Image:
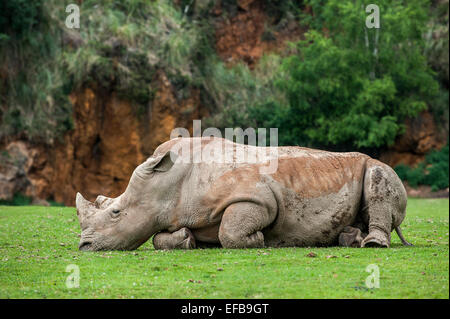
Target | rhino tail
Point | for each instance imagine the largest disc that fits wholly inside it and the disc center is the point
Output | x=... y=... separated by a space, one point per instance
x=400 y=235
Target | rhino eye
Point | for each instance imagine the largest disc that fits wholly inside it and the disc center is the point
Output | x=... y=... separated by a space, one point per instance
x=116 y=211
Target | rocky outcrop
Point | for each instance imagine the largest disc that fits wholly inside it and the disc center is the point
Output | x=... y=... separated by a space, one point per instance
x=420 y=137
x=111 y=137
x=15 y=163
x=250 y=31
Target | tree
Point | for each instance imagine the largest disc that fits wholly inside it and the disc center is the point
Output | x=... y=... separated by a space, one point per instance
x=350 y=86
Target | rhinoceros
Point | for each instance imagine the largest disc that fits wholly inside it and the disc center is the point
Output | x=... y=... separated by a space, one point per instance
x=312 y=198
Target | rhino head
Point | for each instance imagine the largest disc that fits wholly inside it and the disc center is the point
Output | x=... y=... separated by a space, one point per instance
x=129 y=220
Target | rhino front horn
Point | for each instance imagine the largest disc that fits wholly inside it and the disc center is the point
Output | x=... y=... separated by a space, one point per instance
x=80 y=202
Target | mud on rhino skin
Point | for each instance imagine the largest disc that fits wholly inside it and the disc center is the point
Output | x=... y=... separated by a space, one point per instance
x=313 y=198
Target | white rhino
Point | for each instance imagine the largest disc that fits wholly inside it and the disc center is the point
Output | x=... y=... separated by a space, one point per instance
x=313 y=198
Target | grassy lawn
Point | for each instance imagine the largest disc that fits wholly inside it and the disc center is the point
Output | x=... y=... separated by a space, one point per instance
x=38 y=243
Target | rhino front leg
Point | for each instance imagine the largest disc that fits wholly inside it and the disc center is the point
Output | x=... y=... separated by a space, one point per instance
x=181 y=239
x=351 y=237
x=241 y=225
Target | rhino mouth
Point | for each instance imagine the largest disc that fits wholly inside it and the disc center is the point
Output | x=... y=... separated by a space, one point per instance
x=86 y=245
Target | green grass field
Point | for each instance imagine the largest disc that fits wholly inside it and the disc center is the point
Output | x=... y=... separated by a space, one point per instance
x=38 y=243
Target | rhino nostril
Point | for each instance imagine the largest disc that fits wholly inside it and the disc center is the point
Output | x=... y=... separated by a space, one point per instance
x=85 y=245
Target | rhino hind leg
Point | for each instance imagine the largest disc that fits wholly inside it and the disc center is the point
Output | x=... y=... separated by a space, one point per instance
x=384 y=200
x=351 y=237
x=241 y=225
x=180 y=239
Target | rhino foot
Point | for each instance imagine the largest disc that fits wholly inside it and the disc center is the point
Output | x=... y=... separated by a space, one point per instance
x=376 y=238
x=351 y=237
x=181 y=239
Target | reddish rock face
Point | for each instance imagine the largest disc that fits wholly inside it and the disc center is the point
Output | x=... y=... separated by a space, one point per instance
x=420 y=137
x=14 y=165
x=109 y=140
x=101 y=152
x=246 y=36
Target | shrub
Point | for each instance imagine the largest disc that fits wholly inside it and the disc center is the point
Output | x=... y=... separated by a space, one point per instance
x=438 y=172
x=434 y=171
x=18 y=17
x=416 y=176
x=33 y=89
x=243 y=97
x=354 y=86
x=402 y=171
x=18 y=200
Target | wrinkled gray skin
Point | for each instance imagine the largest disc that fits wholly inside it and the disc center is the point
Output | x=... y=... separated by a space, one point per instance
x=315 y=198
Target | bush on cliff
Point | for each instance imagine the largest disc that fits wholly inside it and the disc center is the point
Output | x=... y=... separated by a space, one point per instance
x=33 y=89
x=434 y=171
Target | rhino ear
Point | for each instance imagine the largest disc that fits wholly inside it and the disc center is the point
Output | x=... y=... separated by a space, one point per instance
x=161 y=163
x=166 y=162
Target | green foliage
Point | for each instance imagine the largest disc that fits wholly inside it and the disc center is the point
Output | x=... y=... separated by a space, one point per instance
x=434 y=171
x=239 y=93
x=34 y=91
x=22 y=200
x=127 y=42
x=18 y=200
x=436 y=51
x=402 y=171
x=438 y=172
x=436 y=48
x=414 y=176
x=352 y=85
x=18 y=17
